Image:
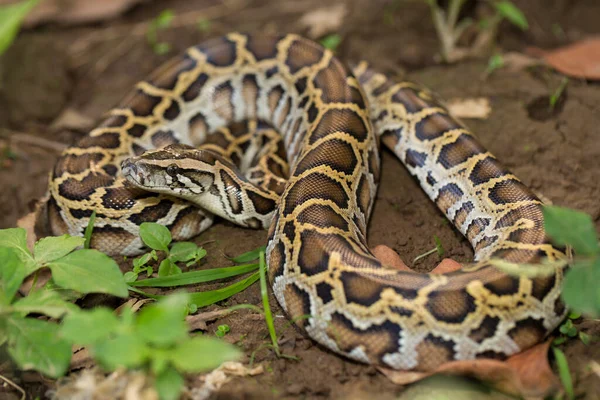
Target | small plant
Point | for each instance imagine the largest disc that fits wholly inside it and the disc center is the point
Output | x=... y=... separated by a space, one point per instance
x=156 y=340
x=158 y=238
x=568 y=330
x=450 y=29
x=33 y=343
x=437 y=249
x=556 y=95
x=204 y=25
x=162 y=21
x=222 y=330
x=331 y=42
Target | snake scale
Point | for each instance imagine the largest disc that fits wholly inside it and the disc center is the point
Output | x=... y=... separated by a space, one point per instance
x=275 y=132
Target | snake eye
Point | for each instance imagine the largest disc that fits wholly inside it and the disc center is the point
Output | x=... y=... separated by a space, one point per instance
x=172 y=169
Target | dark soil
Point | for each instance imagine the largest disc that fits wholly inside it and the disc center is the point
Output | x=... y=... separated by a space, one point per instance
x=89 y=69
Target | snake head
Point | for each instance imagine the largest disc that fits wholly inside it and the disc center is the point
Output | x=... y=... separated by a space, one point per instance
x=177 y=170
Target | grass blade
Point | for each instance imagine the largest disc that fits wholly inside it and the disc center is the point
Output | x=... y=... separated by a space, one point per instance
x=192 y=277
x=249 y=256
x=89 y=229
x=264 y=293
x=563 y=372
x=203 y=299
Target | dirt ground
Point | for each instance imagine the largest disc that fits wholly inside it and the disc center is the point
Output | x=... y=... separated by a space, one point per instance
x=88 y=69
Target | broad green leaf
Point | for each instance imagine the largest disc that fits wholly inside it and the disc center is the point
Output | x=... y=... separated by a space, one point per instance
x=12 y=274
x=45 y=302
x=89 y=271
x=167 y=268
x=130 y=276
x=183 y=251
x=203 y=299
x=160 y=359
x=169 y=384
x=512 y=13
x=192 y=277
x=16 y=238
x=213 y=352
x=35 y=344
x=580 y=288
x=54 y=247
x=89 y=327
x=153 y=320
x=570 y=227
x=249 y=256
x=125 y=350
x=155 y=236
x=11 y=17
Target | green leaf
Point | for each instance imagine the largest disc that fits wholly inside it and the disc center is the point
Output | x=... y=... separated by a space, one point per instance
x=54 y=247
x=89 y=271
x=155 y=236
x=35 y=344
x=203 y=25
x=89 y=229
x=130 y=276
x=45 y=302
x=11 y=17
x=193 y=277
x=12 y=274
x=203 y=299
x=331 y=42
x=214 y=352
x=89 y=327
x=16 y=238
x=153 y=320
x=584 y=337
x=183 y=251
x=496 y=61
x=161 y=48
x=580 y=288
x=160 y=359
x=125 y=350
x=563 y=372
x=163 y=20
x=143 y=260
x=169 y=384
x=512 y=13
x=570 y=227
x=249 y=256
x=167 y=267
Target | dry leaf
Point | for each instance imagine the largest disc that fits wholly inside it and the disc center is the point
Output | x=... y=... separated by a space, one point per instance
x=198 y=321
x=580 y=59
x=446 y=266
x=323 y=20
x=474 y=108
x=389 y=258
x=72 y=120
x=214 y=380
x=526 y=374
x=515 y=61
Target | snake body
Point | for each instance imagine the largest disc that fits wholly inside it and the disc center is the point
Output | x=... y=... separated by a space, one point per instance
x=228 y=96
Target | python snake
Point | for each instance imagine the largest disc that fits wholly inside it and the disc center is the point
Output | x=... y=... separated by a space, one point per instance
x=287 y=138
